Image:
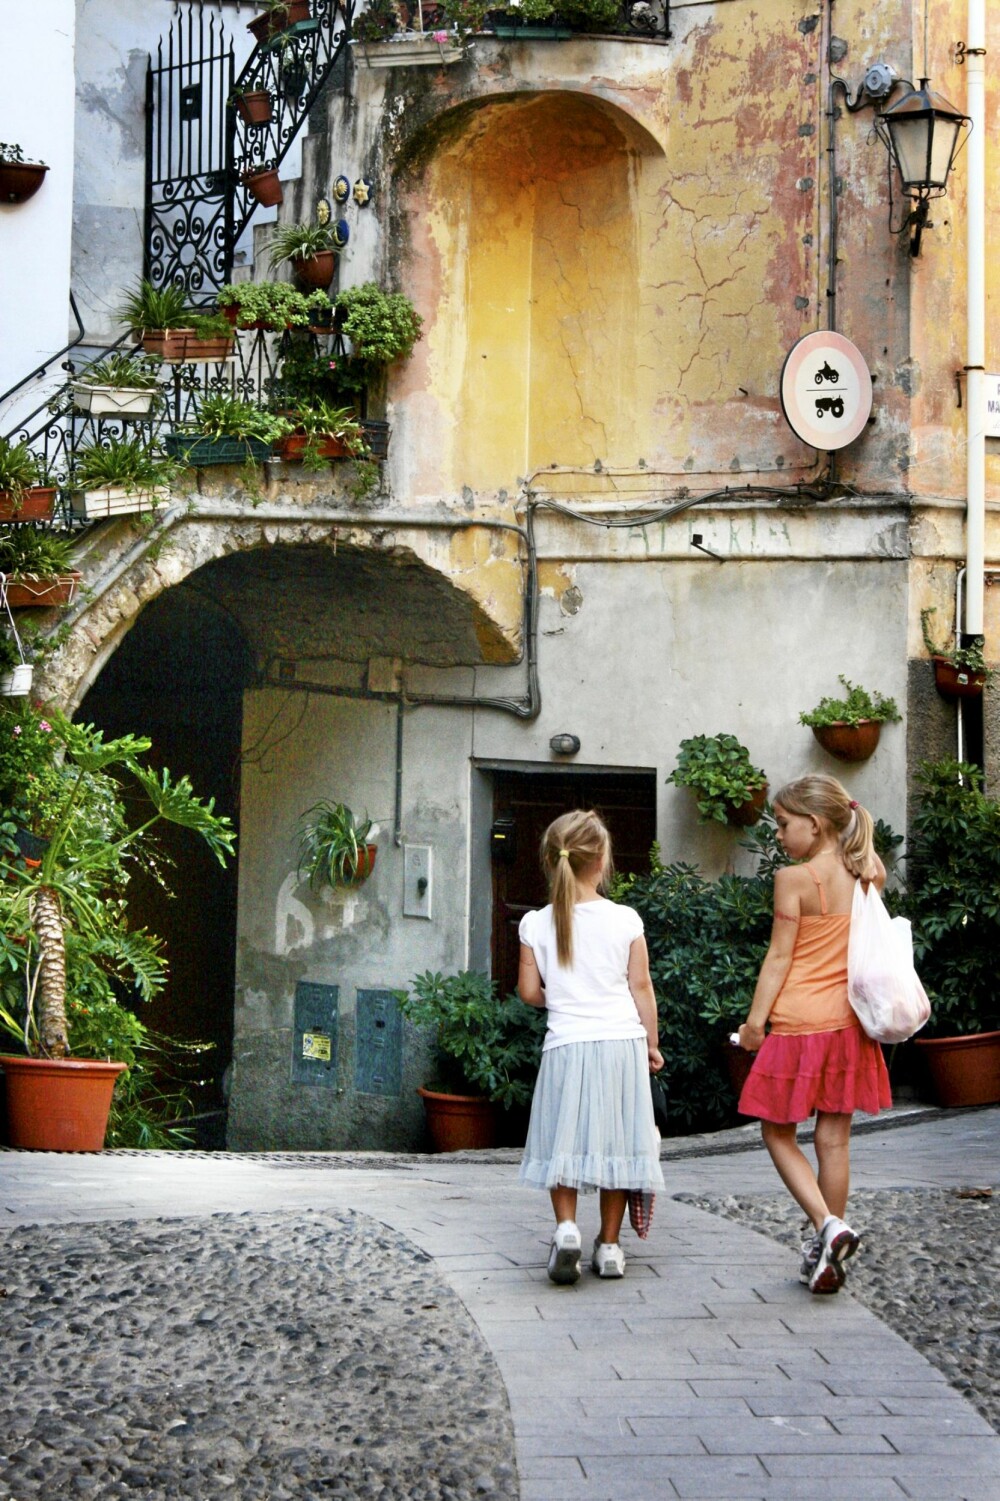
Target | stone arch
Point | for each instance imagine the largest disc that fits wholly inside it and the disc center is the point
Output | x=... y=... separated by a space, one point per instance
x=445 y=595
x=523 y=214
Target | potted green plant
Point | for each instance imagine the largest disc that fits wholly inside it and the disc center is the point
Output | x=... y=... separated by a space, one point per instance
x=22 y=496
x=64 y=916
x=952 y=880
x=19 y=180
x=310 y=250
x=226 y=431
x=382 y=328
x=254 y=106
x=321 y=432
x=262 y=183
x=273 y=305
x=334 y=848
x=118 y=386
x=959 y=671
x=849 y=727
x=158 y=316
x=718 y=769
x=487 y=1053
x=36 y=567
x=277 y=16
x=119 y=476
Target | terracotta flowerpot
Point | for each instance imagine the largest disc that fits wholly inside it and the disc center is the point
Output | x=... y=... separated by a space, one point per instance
x=41 y=593
x=849 y=742
x=265 y=186
x=59 y=1104
x=272 y=24
x=745 y=814
x=254 y=108
x=36 y=505
x=459 y=1122
x=364 y=867
x=316 y=270
x=181 y=346
x=963 y=1070
x=168 y=343
x=956 y=682
x=20 y=181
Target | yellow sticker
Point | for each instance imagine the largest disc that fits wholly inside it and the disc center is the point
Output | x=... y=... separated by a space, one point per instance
x=316 y=1045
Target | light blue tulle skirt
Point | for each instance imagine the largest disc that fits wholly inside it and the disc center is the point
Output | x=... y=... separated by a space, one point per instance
x=592 y=1119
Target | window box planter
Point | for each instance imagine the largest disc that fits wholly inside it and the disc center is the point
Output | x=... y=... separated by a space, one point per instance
x=292 y=448
x=255 y=108
x=273 y=23
x=199 y=451
x=20 y=181
x=114 y=500
x=531 y=33
x=376 y=437
x=113 y=401
x=23 y=592
x=35 y=504
x=181 y=346
x=410 y=49
x=265 y=186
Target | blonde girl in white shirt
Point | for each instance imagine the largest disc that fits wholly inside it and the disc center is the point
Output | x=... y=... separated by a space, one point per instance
x=584 y=959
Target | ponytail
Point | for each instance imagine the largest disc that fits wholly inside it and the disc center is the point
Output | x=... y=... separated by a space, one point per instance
x=823 y=797
x=573 y=843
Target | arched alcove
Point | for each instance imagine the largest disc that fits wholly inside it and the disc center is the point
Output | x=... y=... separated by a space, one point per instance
x=523 y=218
x=178 y=676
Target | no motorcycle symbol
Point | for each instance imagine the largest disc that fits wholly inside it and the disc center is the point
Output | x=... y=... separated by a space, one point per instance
x=826 y=391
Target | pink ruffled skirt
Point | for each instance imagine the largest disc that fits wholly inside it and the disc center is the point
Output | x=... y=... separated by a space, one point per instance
x=835 y=1072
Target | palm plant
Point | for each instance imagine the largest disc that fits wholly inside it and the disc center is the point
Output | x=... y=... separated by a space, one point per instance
x=69 y=908
x=146 y=306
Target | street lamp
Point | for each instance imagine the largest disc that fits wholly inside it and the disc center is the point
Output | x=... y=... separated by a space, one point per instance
x=922 y=133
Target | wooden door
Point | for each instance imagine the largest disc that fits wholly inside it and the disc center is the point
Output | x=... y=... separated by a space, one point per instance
x=531 y=800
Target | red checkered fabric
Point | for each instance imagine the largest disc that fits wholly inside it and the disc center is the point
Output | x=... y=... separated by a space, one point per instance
x=640 y=1210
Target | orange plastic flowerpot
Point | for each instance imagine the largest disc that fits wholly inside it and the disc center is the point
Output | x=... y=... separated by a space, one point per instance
x=59 y=1104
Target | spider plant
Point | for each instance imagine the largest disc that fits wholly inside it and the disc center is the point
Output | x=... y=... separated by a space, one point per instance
x=333 y=849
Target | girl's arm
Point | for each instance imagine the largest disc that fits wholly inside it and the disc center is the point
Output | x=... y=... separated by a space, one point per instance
x=777 y=960
x=529 y=980
x=641 y=986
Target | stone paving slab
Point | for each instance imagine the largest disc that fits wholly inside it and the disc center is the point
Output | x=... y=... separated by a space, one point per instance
x=708 y=1373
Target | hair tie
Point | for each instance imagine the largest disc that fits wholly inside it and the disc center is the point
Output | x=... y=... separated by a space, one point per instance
x=853 y=804
x=564 y=854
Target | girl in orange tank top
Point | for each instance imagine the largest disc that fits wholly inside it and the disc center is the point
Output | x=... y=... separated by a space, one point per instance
x=815 y=1059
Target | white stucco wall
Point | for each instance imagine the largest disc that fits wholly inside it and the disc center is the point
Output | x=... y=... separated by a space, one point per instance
x=36 y=112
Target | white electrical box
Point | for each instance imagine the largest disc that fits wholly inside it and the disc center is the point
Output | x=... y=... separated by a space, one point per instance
x=417 y=865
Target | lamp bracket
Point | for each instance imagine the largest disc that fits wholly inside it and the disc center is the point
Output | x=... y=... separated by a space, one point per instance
x=878 y=83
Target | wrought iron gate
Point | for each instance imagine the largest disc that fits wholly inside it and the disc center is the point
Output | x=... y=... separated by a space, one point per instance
x=198 y=148
x=189 y=228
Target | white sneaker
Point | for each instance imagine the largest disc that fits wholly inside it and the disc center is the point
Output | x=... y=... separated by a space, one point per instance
x=839 y=1242
x=564 y=1257
x=810 y=1255
x=608 y=1260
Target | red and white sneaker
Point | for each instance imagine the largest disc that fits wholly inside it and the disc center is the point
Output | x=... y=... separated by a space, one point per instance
x=839 y=1242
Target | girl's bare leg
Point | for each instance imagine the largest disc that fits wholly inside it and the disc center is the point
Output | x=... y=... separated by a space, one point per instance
x=613 y=1205
x=563 y=1203
x=795 y=1170
x=833 y=1154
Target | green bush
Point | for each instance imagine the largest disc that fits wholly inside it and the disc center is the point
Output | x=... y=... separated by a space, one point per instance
x=706 y=941
x=484 y=1045
x=952 y=897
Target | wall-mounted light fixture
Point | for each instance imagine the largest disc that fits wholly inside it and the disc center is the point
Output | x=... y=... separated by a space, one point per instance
x=923 y=134
x=564 y=745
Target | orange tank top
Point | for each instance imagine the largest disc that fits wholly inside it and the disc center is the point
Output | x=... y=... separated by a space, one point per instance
x=814 y=995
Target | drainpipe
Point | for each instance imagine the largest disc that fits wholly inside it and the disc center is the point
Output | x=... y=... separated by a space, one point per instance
x=975 y=421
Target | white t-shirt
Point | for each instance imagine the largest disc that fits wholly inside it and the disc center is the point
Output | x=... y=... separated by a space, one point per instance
x=590 y=1002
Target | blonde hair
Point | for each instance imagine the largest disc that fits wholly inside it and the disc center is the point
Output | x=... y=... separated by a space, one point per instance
x=572 y=843
x=822 y=797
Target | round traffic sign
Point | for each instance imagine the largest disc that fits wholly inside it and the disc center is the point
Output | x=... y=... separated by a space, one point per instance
x=826 y=390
